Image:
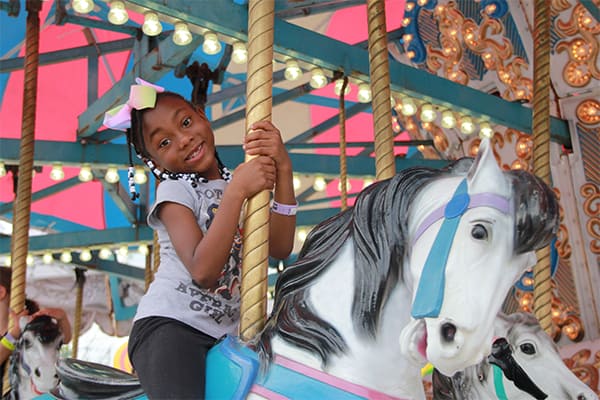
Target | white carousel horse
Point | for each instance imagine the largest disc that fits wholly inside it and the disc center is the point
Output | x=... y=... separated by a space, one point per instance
x=527 y=366
x=427 y=256
x=33 y=362
x=38 y=372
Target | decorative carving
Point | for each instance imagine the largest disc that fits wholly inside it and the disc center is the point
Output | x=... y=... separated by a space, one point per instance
x=588 y=112
x=591 y=208
x=585 y=367
x=581 y=50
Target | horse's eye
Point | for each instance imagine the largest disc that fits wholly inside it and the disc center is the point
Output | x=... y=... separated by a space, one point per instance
x=27 y=343
x=527 y=348
x=479 y=232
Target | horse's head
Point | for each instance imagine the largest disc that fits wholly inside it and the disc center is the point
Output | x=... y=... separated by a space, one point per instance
x=527 y=366
x=33 y=363
x=472 y=235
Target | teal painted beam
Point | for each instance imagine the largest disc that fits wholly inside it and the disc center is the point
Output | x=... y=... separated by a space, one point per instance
x=101 y=155
x=294 y=41
x=83 y=239
x=54 y=57
x=592 y=8
x=151 y=66
x=302 y=8
x=108 y=266
x=40 y=194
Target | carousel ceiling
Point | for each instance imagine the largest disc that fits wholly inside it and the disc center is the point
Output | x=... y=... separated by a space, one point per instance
x=458 y=69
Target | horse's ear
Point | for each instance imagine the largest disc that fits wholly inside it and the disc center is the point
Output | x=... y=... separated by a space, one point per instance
x=485 y=175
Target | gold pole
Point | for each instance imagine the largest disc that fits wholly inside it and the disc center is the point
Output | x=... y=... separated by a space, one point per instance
x=255 y=259
x=343 y=163
x=542 y=290
x=80 y=281
x=385 y=166
x=22 y=213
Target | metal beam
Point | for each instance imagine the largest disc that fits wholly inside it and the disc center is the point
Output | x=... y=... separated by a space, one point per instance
x=311 y=47
x=40 y=194
x=84 y=239
x=55 y=57
x=101 y=156
x=303 y=8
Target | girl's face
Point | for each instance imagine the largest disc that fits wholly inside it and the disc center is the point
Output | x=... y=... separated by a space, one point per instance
x=179 y=138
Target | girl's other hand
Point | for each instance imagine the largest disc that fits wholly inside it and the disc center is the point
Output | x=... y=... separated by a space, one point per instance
x=254 y=176
x=265 y=139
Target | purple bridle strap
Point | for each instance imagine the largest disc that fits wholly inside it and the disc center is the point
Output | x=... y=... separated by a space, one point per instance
x=477 y=200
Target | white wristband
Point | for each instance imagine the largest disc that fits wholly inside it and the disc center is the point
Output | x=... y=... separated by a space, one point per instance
x=284 y=209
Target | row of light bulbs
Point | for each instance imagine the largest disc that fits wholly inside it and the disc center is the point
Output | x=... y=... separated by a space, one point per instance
x=66 y=256
x=320 y=183
x=428 y=113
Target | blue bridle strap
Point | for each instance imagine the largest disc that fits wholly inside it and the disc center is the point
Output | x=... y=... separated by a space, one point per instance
x=498 y=383
x=430 y=292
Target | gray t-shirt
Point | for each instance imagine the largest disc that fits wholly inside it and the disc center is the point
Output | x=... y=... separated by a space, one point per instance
x=172 y=294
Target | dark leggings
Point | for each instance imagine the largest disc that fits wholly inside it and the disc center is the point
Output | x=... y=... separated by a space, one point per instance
x=169 y=358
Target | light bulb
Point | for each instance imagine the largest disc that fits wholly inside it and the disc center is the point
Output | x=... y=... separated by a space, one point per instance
x=66 y=257
x=348 y=185
x=428 y=113
x=466 y=125
x=29 y=260
x=485 y=130
x=47 y=258
x=151 y=25
x=211 y=43
x=364 y=93
x=338 y=87
x=239 y=55
x=296 y=182
x=292 y=70
x=105 y=253
x=57 y=173
x=302 y=234
x=182 y=35
x=112 y=175
x=318 y=78
x=85 y=173
x=85 y=255
x=118 y=14
x=367 y=182
x=7 y=261
x=448 y=119
x=82 y=6
x=408 y=107
x=123 y=251
x=2 y=170
x=139 y=176
x=143 y=249
x=320 y=184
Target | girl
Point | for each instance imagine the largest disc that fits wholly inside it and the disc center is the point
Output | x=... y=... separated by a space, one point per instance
x=194 y=298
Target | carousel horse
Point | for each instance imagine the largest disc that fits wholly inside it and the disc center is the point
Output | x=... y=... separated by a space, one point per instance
x=524 y=365
x=416 y=270
x=32 y=364
x=425 y=258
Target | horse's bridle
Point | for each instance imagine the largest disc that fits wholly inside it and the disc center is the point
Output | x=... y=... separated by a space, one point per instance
x=430 y=292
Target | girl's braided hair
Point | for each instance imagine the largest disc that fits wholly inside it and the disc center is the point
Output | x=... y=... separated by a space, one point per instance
x=135 y=140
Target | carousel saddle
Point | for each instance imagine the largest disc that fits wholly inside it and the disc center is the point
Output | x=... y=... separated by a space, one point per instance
x=87 y=380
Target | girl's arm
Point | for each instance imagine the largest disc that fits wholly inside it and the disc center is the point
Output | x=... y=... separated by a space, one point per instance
x=265 y=139
x=204 y=255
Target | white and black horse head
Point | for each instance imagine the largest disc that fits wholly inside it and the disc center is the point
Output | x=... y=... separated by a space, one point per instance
x=33 y=362
x=524 y=365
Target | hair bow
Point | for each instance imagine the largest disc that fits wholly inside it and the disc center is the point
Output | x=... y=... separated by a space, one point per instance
x=142 y=95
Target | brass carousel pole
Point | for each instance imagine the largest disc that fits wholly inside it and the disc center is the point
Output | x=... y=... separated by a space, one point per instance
x=22 y=205
x=22 y=209
x=542 y=290
x=80 y=281
x=385 y=166
x=343 y=162
x=259 y=86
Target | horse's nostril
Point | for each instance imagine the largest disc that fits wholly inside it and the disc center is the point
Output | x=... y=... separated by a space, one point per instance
x=448 y=332
x=581 y=397
x=37 y=372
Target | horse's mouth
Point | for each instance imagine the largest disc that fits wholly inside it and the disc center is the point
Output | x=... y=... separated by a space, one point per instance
x=413 y=341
